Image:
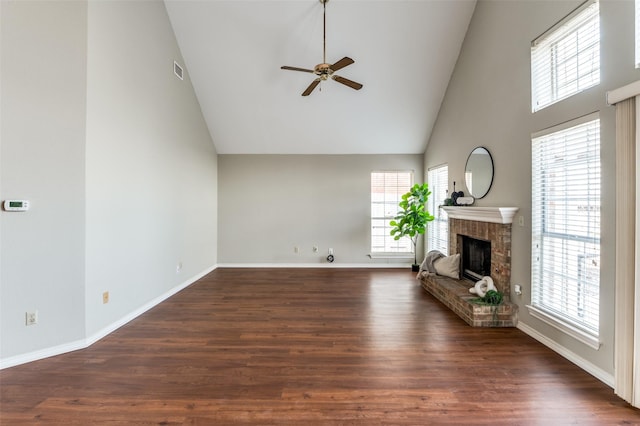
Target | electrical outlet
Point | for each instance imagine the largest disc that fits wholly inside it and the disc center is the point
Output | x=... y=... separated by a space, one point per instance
x=178 y=267
x=296 y=249
x=517 y=289
x=315 y=249
x=31 y=318
x=521 y=220
x=105 y=297
x=330 y=251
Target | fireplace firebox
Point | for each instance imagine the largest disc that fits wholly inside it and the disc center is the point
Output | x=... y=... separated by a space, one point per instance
x=476 y=258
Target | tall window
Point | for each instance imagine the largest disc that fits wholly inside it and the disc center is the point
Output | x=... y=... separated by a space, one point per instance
x=387 y=189
x=565 y=60
x=566 y=227
x=438 y=229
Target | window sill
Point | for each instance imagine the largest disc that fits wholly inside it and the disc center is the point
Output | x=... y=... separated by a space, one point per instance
x=391 y=256
x=581 y=336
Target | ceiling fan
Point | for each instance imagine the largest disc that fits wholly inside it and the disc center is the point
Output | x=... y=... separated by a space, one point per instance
x=325 y=70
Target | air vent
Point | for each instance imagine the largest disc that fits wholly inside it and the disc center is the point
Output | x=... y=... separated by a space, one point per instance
x=177 y=70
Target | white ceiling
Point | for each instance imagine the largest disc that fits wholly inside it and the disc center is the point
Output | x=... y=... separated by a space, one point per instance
x=404 y=53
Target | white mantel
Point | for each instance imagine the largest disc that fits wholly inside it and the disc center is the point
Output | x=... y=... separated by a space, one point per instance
x=482 y=214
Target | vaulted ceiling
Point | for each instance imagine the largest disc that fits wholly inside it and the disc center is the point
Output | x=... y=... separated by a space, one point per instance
x=404 y=53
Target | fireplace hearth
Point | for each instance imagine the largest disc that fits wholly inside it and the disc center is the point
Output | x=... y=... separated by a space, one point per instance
x=484 y=234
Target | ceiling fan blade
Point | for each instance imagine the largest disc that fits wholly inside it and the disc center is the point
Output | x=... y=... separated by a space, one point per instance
x=342 y=63
x=312 y=86
x=296 y=69
x=347 y=82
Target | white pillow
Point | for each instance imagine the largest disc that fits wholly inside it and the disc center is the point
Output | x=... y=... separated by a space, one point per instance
x=448 y=266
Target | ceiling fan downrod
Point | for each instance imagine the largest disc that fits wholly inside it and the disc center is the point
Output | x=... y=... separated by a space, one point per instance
x=324 y=71
x=324 y=30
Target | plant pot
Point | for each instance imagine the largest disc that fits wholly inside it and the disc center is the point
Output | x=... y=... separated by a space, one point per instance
x=415 y=267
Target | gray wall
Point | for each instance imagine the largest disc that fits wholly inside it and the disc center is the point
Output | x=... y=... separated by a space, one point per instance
x=43 y=79
x=488 y=103
x=151 y=165
x=117 y=161
x=268 y=204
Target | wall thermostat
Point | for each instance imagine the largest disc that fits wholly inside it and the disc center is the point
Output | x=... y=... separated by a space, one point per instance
x=16 y=205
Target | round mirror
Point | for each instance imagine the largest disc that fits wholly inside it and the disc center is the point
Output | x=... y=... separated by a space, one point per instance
x=478 y=173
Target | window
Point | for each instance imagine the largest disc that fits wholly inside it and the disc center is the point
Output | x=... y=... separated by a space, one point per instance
x=566 y=228
x=387 y=189
x=438 y=229
x=565 y=60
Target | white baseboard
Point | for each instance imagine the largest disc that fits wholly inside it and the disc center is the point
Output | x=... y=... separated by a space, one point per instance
x=90 y=340
x=315 y=265
x=587 y=366
x=42 y=354
x=144 y=308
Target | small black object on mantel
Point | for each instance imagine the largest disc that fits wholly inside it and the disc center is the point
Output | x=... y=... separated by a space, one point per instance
x=455 y=195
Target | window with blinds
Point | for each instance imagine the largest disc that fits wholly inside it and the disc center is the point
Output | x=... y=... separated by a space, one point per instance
x=387 y=189
x=565 y=60
x=566 y=225
x=438 y=229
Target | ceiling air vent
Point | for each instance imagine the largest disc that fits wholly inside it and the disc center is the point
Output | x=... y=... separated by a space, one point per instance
x=177 y=70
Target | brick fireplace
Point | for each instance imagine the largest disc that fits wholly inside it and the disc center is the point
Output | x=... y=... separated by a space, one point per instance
x=492 y=224
x=498 y=234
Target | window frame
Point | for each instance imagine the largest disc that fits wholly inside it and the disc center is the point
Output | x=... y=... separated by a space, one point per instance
x=403 y=249
x=551 y=58
x=544 y=300
x=438 y=185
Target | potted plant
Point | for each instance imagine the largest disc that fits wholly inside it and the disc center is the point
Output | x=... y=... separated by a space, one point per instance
x=412 y=220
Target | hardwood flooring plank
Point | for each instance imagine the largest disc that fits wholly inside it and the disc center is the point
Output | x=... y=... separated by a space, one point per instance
x=307 y=346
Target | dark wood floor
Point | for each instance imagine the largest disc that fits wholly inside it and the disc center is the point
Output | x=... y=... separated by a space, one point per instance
x=307 y=347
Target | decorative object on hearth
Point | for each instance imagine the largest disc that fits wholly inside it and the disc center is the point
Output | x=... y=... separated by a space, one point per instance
x=427 y=264
x=483 y=286
x=436 y=263
x=492 y=298
x=448 y=266
x=324 y=71
x=478 y=172
x=411 y=220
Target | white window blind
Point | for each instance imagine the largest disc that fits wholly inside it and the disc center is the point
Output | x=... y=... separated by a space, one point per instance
x=438 y=229
x=566 y=225
x=565 y=60
x=387 y=189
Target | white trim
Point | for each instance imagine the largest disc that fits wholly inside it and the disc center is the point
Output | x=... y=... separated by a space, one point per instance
x=315 y=265
x=577 y=334
x=624 y=92
x=42 y=353
x=144 y=308
x=575 y=12
x=482 y=214
x=381 y=255
x=587 y=366
x=90 y=340
x=567 y=124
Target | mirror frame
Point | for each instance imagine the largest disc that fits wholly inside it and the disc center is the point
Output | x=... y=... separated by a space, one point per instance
x=466 y=167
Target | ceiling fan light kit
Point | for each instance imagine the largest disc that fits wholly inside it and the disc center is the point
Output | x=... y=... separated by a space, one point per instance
x=324 y=71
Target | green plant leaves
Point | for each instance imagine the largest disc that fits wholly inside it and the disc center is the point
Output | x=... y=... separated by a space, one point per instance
x=413 y=217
